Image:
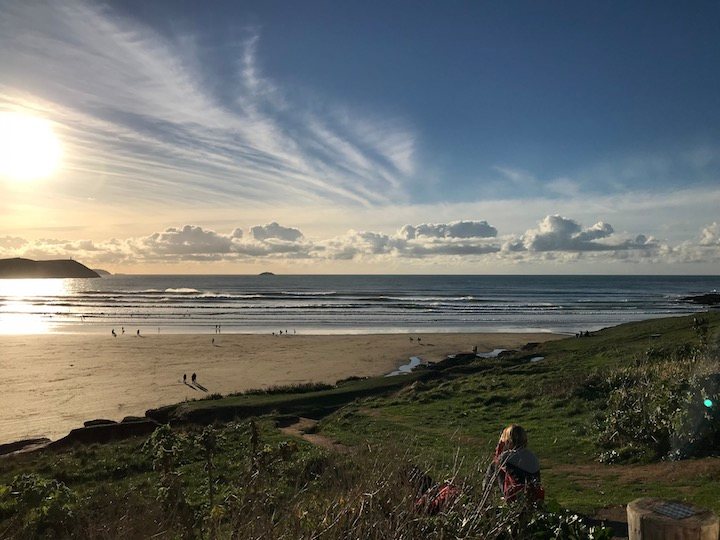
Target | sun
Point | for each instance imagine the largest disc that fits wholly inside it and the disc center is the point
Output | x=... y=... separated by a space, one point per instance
x=28 y=147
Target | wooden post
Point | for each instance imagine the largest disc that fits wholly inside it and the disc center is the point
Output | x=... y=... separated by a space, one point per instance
x=646 y=523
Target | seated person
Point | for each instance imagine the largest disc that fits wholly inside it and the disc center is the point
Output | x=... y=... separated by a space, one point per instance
x=515 y=468
x=430 y=497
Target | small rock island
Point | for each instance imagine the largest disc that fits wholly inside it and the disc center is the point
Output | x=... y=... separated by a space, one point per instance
x=18 y=268
x=266 y=274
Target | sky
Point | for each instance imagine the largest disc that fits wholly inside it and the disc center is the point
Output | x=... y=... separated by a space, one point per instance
x=362 y=137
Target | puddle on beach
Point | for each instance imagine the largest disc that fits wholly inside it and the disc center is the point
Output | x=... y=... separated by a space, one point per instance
x=406 y=368
x=537 y=359
x=492 y=354
x=415 y=362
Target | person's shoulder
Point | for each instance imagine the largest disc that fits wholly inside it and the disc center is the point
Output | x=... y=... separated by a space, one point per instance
x=524 y=459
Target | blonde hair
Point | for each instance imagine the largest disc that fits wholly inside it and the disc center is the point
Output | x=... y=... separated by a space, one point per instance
x=514 y=436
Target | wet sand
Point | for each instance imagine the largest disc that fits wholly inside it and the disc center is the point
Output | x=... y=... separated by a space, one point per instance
x=53 y=383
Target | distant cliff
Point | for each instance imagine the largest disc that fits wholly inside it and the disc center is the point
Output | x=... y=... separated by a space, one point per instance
x=26 y=268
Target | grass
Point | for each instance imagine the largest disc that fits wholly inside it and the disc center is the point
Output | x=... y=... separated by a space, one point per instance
x=554 y=400
x=278 y=489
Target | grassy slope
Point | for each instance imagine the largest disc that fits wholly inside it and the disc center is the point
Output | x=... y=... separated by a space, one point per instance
x=467 y=413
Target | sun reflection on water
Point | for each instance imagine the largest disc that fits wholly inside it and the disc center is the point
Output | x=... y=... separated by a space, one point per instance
x=21 y=311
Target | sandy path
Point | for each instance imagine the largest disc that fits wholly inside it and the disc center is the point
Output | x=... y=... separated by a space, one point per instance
x=52 y=383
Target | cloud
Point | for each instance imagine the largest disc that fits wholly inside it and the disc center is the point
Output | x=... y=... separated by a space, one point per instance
x=357 y=244
x=12 y=242
x=566 y=187
x=273 y=230
x=426 y=240
x=557 y=233
x=144 y=116
x=516 y=176
x=710 y=235
x=189 y=240
x=455 y=229
x=555 y=240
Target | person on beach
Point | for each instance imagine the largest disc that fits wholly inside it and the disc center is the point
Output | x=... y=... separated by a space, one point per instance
x=122 y=330
x=113 y=333
x=193 y=378
x=514 y=468
x=184 y=378
x=138 y=333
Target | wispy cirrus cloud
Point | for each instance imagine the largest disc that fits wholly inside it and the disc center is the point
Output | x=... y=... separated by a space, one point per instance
x=139 y=120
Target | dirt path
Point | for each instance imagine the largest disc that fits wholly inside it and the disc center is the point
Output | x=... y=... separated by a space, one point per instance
x=302 y=426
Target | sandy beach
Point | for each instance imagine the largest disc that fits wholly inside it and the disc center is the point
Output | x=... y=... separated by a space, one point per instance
x=53 y=383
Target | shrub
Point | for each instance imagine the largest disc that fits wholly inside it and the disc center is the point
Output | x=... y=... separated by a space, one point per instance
x=665 y=405
x=38 y=505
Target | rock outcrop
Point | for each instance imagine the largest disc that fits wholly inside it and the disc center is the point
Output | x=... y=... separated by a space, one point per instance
x=710 y=299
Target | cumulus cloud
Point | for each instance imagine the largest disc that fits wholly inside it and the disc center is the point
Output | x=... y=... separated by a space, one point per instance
x=556 y=239
x=455 y=229
x=710 y=235
x=275 y=231
x=557 y=233
x=358 y=243
x=457 y=238
x=188 y=240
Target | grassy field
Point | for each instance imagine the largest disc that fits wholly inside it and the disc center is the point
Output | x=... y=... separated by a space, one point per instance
x=465 y=413
x=446 y=420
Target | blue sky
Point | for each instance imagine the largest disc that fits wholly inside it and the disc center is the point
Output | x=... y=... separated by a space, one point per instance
x=348 y=120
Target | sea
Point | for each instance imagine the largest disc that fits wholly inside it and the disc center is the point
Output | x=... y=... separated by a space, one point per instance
x=340 y=304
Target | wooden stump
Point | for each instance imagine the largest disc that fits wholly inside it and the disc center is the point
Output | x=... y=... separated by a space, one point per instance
x=646 y=523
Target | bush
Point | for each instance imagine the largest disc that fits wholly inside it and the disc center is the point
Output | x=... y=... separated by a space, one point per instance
x=38 y=505
x=667 y=406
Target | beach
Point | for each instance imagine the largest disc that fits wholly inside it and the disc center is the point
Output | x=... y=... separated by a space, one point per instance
x=53 y=383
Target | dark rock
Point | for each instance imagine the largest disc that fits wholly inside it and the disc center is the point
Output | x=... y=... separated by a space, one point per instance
x=105 y=433
x=9 y=448
x=530 y=346
x=98 y=422
x=453 y=360
x=134 y=419
x=710 y=299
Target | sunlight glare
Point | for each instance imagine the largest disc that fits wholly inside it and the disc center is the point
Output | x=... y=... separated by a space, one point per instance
x=28 y=147
x=18 y=312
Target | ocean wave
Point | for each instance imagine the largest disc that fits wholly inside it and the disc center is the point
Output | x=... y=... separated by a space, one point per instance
x=308 y=293
x=182 y=290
